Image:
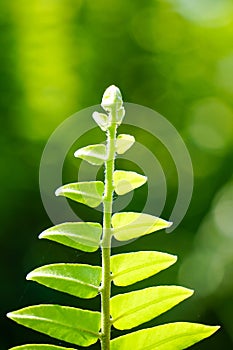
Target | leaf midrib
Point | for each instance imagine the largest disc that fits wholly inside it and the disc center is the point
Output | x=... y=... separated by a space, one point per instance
x=93 y=155
x=141 y=266
x=128 y=228
x=72 y=235
x=84 y=194
x=164 y=341
x=167 y=340
x=49 y=275
x=138 y=308
x=57 y=323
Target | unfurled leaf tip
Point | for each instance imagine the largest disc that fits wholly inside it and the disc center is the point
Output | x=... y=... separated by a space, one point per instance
x=9 y=315
x=169 y=224
x=58 y=191
x=29 y=276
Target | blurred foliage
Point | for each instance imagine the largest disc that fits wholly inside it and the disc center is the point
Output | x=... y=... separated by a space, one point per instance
x=174 y=56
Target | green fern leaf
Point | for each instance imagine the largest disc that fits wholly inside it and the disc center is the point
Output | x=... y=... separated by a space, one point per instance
x=76 y=326
x=80 y=280
x=129 y=268
x=79 y=235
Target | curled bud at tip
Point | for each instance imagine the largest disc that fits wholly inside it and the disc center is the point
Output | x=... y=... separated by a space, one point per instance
x=112 y=98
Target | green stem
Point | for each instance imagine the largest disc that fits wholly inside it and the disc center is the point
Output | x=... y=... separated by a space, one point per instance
x=106 y=239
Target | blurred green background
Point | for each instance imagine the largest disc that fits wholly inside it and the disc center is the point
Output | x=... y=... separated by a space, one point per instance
x=174 y=56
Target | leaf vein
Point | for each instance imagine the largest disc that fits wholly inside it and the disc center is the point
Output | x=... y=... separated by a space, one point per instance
x=43 y=319
x=65 y=278
x=143 y=306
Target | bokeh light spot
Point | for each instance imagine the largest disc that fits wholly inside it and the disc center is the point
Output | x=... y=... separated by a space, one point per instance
x=211 y=124
x=210 y=13
x=149 y=30
x=202 y=273
x=223 y=211
x=225 y=73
